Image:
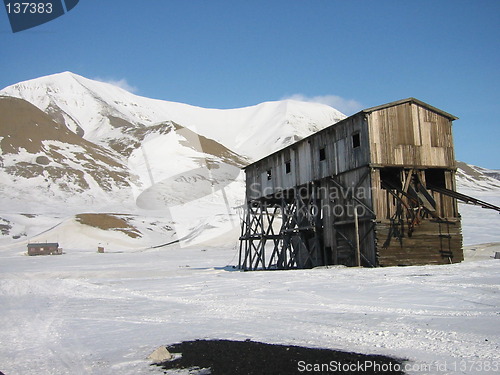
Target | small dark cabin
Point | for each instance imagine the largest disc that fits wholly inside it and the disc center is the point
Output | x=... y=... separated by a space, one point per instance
x=375 y=189
x=44 y=249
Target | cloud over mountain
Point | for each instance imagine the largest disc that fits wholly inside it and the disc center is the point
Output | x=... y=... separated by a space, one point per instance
x=121 y=83
x=348 y=106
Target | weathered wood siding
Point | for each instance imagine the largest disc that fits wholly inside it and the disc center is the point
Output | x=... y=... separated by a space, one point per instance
x=384 y=203
x=335 y=145
x=410 y=135
x=341 y=195
x=431 y=243
x=44 y=249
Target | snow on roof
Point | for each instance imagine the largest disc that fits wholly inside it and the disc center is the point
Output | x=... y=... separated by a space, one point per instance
x=44 y=244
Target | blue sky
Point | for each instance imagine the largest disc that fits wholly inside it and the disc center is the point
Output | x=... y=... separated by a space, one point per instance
x=225 y=54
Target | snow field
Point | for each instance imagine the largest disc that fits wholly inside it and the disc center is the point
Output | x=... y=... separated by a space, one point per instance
x=89 y=313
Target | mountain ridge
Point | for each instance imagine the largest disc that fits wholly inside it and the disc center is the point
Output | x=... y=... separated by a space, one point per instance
x=93 y=109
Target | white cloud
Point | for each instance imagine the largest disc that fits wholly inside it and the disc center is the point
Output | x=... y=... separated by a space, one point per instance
x=121 y=83
x=346 y=106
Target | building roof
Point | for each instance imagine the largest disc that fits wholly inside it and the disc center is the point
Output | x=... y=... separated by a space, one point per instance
x=44 y=244
x=411 y=100
x=365 y=111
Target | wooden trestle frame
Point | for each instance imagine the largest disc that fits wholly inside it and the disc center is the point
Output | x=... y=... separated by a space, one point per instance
x=289 y=228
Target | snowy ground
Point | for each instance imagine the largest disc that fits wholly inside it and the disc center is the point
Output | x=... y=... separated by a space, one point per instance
x=90 y=313
x=480 y=225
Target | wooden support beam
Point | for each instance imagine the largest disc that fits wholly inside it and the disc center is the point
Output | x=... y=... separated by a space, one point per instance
x=356 y=231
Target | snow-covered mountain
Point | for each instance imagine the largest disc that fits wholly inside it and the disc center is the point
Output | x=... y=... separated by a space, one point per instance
x=71 y=145
x=472 y=177
x=479 y=225
x=105 y=114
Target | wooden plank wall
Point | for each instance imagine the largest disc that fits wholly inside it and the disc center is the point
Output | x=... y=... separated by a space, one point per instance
x=338 y=214
x=412 y=136
x=406 y=135
x=384 y=203
x=430 y=243
x=304 y=159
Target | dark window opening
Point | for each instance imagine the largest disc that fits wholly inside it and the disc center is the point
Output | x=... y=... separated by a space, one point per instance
x=288 y=167
x=390 y=178
x=356 y=140
x=322 y=154
x=269 y=174
x=435 y=178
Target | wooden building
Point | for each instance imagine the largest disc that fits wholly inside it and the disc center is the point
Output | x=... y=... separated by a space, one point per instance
x=44 y=249
x=375 y=189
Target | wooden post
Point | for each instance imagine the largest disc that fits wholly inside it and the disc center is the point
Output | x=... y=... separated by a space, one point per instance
x=356 y=227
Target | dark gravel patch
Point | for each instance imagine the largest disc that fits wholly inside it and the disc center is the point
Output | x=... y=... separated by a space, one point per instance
x=248 y=357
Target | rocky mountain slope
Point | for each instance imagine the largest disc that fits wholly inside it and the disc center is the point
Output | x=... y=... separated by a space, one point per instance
x=40 y=156
x=472 y=177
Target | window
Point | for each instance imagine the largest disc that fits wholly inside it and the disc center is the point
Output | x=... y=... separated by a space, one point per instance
x=322 y=154
x=435 y=178
x=288 y=167
x=356 y=140
x=269 y=174
x=391 y=178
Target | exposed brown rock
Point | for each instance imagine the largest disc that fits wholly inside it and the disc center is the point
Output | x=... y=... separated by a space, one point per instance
x=116 y=222
x=24 y=126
